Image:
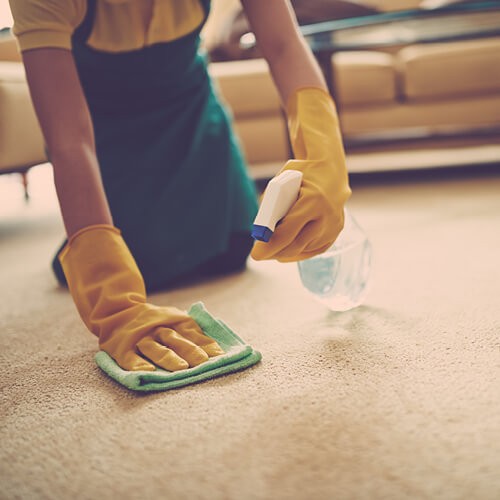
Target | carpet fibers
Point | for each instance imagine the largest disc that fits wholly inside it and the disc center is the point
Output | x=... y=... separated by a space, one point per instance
x=399 y=398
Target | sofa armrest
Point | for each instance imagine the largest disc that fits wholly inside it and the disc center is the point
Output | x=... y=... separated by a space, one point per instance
x=9 y=51
x=21 y=140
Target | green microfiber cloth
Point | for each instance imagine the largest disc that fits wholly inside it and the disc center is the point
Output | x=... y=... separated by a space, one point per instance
x=238 y=356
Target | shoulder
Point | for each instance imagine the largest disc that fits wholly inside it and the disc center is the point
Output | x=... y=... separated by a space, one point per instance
x=46 y=23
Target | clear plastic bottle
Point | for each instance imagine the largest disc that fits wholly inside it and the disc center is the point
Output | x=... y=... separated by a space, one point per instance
x=339 y=277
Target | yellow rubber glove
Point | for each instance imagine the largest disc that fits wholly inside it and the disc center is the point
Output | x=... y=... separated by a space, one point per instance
x=109 y=293
x=316 y=219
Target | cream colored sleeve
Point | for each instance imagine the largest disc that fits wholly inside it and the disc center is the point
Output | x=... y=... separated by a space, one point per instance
x=46 y=23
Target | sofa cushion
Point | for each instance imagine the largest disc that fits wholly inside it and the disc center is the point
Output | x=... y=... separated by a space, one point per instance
x=264 y=139
x=460 y=113
x=450 y=70
x=364 y=77
x=247 y=86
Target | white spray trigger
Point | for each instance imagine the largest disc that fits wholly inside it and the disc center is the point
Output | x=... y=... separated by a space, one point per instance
x=281 y=193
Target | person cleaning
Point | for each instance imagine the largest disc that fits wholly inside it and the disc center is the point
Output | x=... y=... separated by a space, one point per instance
x=151 y=182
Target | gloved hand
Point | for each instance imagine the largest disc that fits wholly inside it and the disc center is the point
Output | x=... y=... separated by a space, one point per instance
x=109 y=293
x=317 y=217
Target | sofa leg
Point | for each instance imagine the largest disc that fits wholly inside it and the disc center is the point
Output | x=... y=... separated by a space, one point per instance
x=24 y=180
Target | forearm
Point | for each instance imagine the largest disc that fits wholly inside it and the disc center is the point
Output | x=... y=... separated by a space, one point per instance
x=290 y=59
x=79 y=188
x=67 y=128
x=293 y=66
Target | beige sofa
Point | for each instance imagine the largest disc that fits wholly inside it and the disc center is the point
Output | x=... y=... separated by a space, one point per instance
x=434 y=88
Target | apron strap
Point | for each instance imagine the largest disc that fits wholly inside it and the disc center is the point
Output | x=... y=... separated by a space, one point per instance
x=83 y=31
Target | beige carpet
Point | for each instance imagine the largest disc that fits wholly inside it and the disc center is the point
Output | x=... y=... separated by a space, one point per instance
x=397 y=399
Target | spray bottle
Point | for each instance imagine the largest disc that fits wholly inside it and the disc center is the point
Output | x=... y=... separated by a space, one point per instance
x=339 y=277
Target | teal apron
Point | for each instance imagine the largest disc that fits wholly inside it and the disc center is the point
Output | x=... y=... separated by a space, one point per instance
x=172 y=169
